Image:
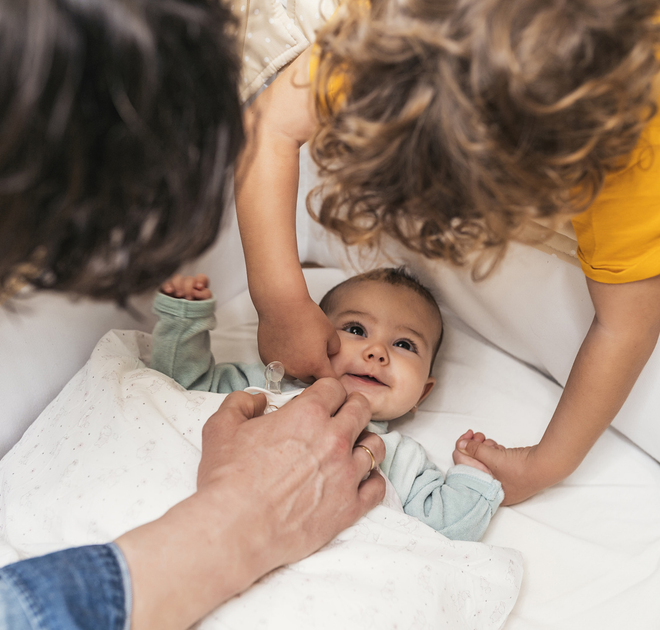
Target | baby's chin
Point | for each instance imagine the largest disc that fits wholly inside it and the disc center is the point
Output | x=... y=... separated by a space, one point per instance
x=377 y=412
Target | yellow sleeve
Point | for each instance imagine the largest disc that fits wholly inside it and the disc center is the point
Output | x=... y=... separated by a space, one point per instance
x=619 y=234
x=334 y=91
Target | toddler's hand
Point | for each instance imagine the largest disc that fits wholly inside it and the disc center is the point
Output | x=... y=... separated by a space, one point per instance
x=466 y=460
x=300 y=336
x=187 y=287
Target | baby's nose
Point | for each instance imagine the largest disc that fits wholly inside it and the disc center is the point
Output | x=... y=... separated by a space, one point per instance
x=378 y=353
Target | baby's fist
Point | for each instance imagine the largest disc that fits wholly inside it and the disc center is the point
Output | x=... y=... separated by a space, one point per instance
x=187 y=287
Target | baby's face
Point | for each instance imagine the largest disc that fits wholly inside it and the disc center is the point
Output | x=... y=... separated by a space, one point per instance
x=388 y=334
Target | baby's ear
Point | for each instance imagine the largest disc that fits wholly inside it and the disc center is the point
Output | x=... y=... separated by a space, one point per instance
x=428 y=386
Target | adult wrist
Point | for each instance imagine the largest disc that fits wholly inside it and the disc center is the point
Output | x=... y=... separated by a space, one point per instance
x=196 y=556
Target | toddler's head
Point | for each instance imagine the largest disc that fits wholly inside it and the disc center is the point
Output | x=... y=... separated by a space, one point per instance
x=390 y=328
x=461 y=120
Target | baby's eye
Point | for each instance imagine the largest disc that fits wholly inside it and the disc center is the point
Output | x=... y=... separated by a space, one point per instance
x=355 y=329
x=406 y=345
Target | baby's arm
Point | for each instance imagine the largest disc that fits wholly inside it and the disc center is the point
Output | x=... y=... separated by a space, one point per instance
x=459 y=505
x=292 y=328
x=181 y=345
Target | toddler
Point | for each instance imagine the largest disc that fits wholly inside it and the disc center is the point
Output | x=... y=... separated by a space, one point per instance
x=390 y=329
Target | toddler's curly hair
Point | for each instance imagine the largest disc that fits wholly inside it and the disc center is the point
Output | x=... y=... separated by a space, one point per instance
x=458 y=120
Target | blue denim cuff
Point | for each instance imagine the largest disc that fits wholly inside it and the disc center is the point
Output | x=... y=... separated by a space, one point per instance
x=84 y=588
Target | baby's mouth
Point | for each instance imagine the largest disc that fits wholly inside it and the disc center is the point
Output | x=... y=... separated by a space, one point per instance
x=365 y=378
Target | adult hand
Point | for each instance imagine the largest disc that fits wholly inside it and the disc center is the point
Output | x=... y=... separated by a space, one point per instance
x=521 y=471
x=298 y=334
x=295 y=469
x=271 y=490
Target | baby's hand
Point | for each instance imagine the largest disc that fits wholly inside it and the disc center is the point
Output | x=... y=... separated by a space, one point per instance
x=187 y=287
x=466 y=460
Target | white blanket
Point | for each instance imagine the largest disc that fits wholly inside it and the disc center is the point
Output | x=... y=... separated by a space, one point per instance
x=121 y=444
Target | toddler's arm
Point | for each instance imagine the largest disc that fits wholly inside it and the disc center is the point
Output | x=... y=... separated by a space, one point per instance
x=622 y=337
x=181 y=345
x=459 y=505
x=292 y=328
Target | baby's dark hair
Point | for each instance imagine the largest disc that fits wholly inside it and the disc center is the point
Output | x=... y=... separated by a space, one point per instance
x=119 y=120
x=396 y=276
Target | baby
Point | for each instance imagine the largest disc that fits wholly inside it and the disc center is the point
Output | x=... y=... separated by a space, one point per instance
x=390 y=328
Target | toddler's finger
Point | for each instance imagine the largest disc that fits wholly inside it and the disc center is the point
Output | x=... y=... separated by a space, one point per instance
x=466 y=436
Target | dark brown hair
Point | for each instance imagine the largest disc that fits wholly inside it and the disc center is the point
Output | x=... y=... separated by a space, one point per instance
x=118 y=121
x=396 y=276
x=459 y=120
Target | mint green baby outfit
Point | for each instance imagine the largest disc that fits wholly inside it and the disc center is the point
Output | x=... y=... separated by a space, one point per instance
x=459 y=504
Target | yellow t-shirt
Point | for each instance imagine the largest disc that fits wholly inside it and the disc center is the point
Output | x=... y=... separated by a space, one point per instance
x=619 y=234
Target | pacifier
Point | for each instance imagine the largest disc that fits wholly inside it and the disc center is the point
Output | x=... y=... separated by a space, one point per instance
x=274 y=374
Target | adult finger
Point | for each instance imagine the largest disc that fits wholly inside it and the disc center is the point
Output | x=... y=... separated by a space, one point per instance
x=371 y=491
x=218 y=430
x=236 y=408
x=367 y=458
x=328 y=393
x=354 y=415
x=374 y=443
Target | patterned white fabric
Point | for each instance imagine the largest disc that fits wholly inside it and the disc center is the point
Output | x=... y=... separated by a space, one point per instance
x=121 y=444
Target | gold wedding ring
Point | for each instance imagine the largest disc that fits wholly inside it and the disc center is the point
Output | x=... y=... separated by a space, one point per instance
x=373 y=459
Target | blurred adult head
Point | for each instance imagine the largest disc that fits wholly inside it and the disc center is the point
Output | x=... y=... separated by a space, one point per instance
x=118 y=121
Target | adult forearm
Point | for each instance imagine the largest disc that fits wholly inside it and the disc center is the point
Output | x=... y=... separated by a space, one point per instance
x=198 y=555
x=271 y=490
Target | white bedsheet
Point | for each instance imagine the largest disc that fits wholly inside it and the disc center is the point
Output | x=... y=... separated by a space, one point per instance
x=590 y=546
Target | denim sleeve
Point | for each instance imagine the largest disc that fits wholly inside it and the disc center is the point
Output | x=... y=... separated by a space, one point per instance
x=84 y=588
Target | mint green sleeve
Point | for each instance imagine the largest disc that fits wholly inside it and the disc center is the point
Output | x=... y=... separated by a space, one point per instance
x=181 y=348
x=459 y=505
